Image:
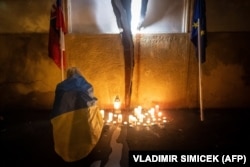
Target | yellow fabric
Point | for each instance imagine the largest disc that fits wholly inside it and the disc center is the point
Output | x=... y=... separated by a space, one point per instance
x=76 y=133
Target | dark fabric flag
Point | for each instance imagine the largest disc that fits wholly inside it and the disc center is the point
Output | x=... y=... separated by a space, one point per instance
x=199 y=12
x=56 y=34
x=122 y=11
x=144 y=6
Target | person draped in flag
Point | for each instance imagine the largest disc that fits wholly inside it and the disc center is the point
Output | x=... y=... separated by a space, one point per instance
x=76 y=119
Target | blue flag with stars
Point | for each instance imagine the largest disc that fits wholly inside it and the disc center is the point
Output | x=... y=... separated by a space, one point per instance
x=199 y=12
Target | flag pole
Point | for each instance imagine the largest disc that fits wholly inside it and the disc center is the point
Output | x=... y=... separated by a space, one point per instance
x=62 y=43
x=200 y=71
x=61 y=52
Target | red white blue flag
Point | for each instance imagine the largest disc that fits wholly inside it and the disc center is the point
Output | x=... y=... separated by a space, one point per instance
x=57 y=31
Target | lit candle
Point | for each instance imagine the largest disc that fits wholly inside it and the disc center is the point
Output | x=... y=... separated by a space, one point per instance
x=152 y=112
x=135 y=112
x=130 y=119
x=148 y=121
x=110 y=117
x=159 y=114
x=134 y=120
x=119 y=118
x=141 y=116
x=139 y=108
x=102 y=113
x=117 y=103
x=157 y=108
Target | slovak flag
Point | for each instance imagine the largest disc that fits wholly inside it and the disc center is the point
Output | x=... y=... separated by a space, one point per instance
x=56 y=46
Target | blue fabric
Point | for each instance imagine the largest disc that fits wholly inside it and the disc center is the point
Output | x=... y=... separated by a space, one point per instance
x=199 y=13
x=72 y=94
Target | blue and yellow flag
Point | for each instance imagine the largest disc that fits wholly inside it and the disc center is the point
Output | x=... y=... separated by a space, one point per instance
x=76 y=120
x=199 y=13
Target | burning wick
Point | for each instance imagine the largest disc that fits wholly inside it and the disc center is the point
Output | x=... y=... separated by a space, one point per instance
x=102 y=113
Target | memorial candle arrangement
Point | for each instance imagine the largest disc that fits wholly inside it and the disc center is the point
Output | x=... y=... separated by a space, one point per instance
x=137 y=117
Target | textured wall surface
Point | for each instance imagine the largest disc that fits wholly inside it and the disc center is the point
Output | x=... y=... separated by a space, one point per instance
x=161 y=70
x=100 y=58
x=165 y=72
x=227 y=72
x=27 y=75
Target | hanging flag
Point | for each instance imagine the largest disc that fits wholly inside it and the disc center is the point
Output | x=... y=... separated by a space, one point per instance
x=57 y=30
x=122 y=11
x=199 y=13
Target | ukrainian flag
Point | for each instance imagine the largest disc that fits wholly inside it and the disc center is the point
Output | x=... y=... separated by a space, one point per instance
x=76 y=120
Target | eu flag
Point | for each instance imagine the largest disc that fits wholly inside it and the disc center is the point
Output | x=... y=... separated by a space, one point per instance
x=199 y=13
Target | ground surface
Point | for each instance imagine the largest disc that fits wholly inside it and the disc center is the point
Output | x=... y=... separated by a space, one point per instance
x=27 y=137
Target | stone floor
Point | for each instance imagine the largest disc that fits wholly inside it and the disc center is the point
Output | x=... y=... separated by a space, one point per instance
x=26 y=138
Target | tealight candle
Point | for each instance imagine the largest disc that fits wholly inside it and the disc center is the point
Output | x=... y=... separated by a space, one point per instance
x=110 y=118
x=157 y=108
x=130 y=119
x=159 y=114
x=141 y=116
x=119 y=118
x=102 y=113
x=139 y=108
x=136 y=112
x=152 y=112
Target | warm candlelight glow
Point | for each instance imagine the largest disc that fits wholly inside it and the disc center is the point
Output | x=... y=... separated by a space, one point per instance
x=157 y=108
x=110 y=117
x=138 y=118
x=119 y=118
x=159 y=114
x=135 y=111
x=152 y=112
x=141 y=117
x=117 y=103
x=130 y=119
x=102 y=113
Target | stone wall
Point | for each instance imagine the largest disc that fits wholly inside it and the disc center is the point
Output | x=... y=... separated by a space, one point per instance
x=165 y=72
x=27 y=76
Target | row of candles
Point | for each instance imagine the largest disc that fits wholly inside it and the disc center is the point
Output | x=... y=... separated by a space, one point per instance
x=138 y=116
